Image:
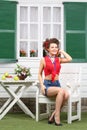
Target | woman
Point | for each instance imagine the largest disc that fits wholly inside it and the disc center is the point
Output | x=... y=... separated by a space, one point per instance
x=51 y=65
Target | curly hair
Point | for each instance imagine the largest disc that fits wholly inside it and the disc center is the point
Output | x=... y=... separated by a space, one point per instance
x=46 y=44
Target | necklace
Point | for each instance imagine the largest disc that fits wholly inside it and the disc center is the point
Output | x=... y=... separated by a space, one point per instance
x=52 y=58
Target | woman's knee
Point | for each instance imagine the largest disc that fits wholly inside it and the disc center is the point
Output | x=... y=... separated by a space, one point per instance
x=62 y=92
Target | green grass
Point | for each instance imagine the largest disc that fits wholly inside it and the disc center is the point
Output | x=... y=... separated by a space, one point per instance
x=16 y=121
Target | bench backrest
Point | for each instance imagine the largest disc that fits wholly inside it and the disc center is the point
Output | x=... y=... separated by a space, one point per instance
x=83 y=81
x=68 y=75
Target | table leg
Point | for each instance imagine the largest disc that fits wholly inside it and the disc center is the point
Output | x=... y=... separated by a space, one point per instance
x=9 y=100
x=25 y=108
x=5 y=105
x=8 y=108
x=20 y=103
x=15 y=99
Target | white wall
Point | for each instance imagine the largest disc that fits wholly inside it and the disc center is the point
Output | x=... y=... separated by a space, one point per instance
x=59 y=1
x=50 y=1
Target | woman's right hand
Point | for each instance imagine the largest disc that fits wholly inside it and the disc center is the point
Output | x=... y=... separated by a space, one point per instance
x=43 y=89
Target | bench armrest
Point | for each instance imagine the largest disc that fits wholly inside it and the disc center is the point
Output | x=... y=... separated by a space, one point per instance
x=73 y=87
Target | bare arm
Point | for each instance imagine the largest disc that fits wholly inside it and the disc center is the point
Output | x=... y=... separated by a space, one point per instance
x=40 y=76
x=67 y=58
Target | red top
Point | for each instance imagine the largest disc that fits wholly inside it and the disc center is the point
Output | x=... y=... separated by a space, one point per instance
x=52 y=68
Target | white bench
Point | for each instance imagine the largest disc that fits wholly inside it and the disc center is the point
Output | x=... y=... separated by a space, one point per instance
x=69 y=80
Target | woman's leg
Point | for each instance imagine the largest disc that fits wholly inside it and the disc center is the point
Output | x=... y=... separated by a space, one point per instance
x=59 y=102
x=59 y=93
x=66 y=96
x=51 y=119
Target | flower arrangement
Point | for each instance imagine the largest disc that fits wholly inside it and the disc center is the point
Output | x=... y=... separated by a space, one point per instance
x=32 y=53
x=22 y=53
x=22 y=72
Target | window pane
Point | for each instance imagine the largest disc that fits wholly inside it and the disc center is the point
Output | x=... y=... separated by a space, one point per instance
x=33 y=14
x=24 y=14
x=46 y=31
x=34 y=31
x=23 y=31
x=57 y=31
x=56 y=14
x=23 y=49
x=46 y=14
x=33 y=49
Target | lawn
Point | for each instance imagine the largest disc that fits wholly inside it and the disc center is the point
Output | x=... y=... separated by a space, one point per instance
x=20 y=121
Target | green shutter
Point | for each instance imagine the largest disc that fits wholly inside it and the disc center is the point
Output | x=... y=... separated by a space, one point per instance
x=8 y=10
x=75 y=18
x=76 y=45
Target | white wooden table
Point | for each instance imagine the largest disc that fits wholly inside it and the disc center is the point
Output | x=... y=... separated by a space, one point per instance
x=14 y=95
